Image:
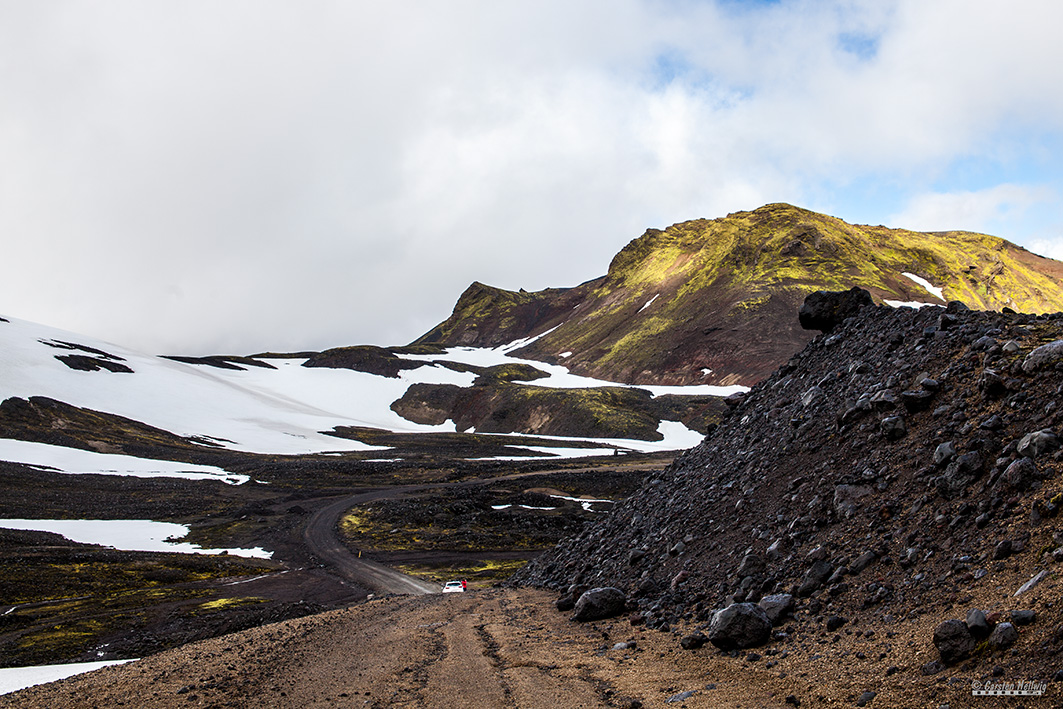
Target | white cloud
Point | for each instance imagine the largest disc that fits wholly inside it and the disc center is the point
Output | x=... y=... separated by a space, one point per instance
x=193 y=176
x=979 y=210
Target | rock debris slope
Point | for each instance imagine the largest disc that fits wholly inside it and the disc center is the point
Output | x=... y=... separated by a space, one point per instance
x=899 y=472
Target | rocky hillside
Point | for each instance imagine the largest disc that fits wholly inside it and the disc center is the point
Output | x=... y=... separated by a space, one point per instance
x=711 y=301
x=899 y=472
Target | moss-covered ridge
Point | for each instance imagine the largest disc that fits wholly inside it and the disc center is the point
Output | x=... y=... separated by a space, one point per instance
x=498 y=406
x=713 y=301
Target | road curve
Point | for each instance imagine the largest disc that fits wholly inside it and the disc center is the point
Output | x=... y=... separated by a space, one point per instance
x=321 y=539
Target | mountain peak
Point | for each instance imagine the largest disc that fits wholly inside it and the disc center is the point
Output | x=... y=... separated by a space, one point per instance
x=714 y=301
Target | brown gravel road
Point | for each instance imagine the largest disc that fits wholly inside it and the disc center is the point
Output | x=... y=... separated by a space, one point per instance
x=320 y=538
x=498 y=648
x=508 y=648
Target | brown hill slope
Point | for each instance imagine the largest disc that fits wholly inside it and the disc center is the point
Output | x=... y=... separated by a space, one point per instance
x=711 y=301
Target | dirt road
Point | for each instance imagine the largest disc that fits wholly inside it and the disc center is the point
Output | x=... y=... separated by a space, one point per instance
x=321 y=540
x=491 y=649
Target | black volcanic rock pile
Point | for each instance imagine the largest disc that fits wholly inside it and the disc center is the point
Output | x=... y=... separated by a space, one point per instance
x=891 y=468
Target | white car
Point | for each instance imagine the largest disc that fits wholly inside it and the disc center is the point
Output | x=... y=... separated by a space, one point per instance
x=453 y=587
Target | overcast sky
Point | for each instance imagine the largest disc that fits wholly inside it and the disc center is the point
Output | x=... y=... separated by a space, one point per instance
x=229 y=177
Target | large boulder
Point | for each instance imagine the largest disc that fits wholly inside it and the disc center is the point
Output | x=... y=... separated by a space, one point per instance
x=1036 y=444
x=568 y=601
x=739 y=625
x=815 y=577
x=1044 y=356
x=825 y=310
x=1021 y=473
x=599 y=603
x=954 y=641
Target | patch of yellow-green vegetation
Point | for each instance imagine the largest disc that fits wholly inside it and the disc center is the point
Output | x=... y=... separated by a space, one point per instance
x=366 y=530
x=456 y=526
x=232 y=534
x=63 y=639
x=752 y=303
x=478 y=573
x=224 y=603
x=67 y=600
x=480 y=303
x=511 y=372
x=32 y=582
x=642 y=336
x=614 y=412
x=354 y=523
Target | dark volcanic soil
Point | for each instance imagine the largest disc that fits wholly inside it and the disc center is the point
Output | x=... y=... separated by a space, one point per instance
x=67 y=602
x=887 y=478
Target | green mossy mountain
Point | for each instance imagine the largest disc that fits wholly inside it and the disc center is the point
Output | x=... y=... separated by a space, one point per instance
x=714 y=301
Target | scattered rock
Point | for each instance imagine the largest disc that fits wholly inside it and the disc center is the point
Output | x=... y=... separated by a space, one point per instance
x=815 y=577
x=777 y=607
x=991 y=384
x=944 y=453
x=1021 y=474
x=835 y=622
x=693 y=641
x=932 y=667
x=846 y=499
x=862 y=562
x=893 y=428
x=977 y=624
x=740 y=625
x=599 y=603
x=1043 y=356
x=1004 y=635
x=825 y=310
x=752 y=565
x=953 y=641
x=1036 y=444
x=865 y=699
x=681 y=697
x=1038 y=578
x=568 y=601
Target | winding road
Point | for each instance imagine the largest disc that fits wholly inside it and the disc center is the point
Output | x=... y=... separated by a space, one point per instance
x=321 y=539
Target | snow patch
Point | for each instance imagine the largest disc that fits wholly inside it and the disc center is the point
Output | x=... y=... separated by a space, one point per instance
x=523 y=507
x=284 y=410
x=911 y=304
x=649 y=302
x=585 y=503
x=126 y=535
x=75 y=461
x=558 y=376
x=934 y=290
x=12 y=679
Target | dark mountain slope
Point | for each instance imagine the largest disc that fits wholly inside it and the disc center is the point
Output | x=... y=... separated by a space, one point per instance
x=903 y=469
x=712 y=301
